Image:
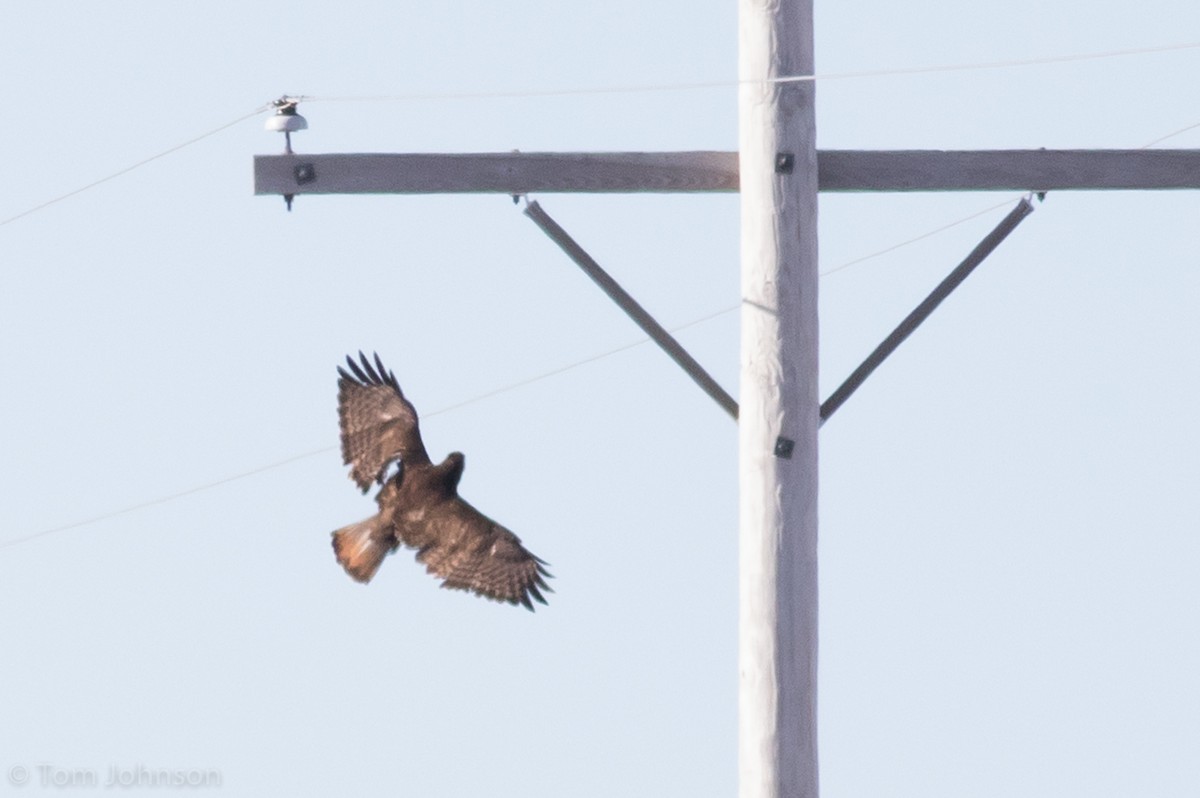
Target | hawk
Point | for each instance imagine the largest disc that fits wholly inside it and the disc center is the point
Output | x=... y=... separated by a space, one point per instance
x=419 y=506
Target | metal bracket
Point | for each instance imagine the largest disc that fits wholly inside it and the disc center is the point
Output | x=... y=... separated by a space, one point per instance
x=304 y=173
x=635 y=311
x=922 y=311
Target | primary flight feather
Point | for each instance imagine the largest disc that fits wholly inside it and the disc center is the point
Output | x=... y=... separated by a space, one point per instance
x=419 y=506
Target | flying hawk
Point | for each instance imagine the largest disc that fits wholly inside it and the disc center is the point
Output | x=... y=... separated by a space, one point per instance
x=420 y=506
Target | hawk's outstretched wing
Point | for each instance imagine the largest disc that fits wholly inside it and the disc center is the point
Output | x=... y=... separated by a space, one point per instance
x=470 y=551
x=378 y=423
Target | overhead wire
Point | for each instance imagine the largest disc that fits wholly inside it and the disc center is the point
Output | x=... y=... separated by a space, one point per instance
x=915 y=239
x=137 y=165
x=329 y=449
x=162 y=499
x=635 y=88
x=1171 y=135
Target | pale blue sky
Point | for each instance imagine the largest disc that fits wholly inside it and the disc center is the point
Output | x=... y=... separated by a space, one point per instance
x=1009 y=541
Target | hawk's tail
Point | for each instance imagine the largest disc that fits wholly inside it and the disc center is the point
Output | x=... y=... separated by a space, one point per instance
x=361 y=547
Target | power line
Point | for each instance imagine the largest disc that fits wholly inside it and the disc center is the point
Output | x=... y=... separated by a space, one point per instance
x=1161 y=139
x=163 y=499
x=1001 y=64
x=328 y=449
x=915 y=239
x=592 y=359
x=131 y=167
x=717 y=84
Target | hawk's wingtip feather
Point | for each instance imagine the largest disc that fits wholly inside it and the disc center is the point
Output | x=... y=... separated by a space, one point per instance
x=375 y=379
x=356 y=371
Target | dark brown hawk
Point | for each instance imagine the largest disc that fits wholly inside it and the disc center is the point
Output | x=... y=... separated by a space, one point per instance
x=420 y=506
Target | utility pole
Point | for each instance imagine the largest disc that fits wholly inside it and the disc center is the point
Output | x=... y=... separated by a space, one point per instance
x=778 y=406
x=779 y=172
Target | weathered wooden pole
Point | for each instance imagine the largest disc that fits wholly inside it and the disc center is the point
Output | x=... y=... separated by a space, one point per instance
x=778 y=421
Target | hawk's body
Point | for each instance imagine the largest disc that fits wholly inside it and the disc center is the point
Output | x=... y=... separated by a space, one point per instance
x=420 y=507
